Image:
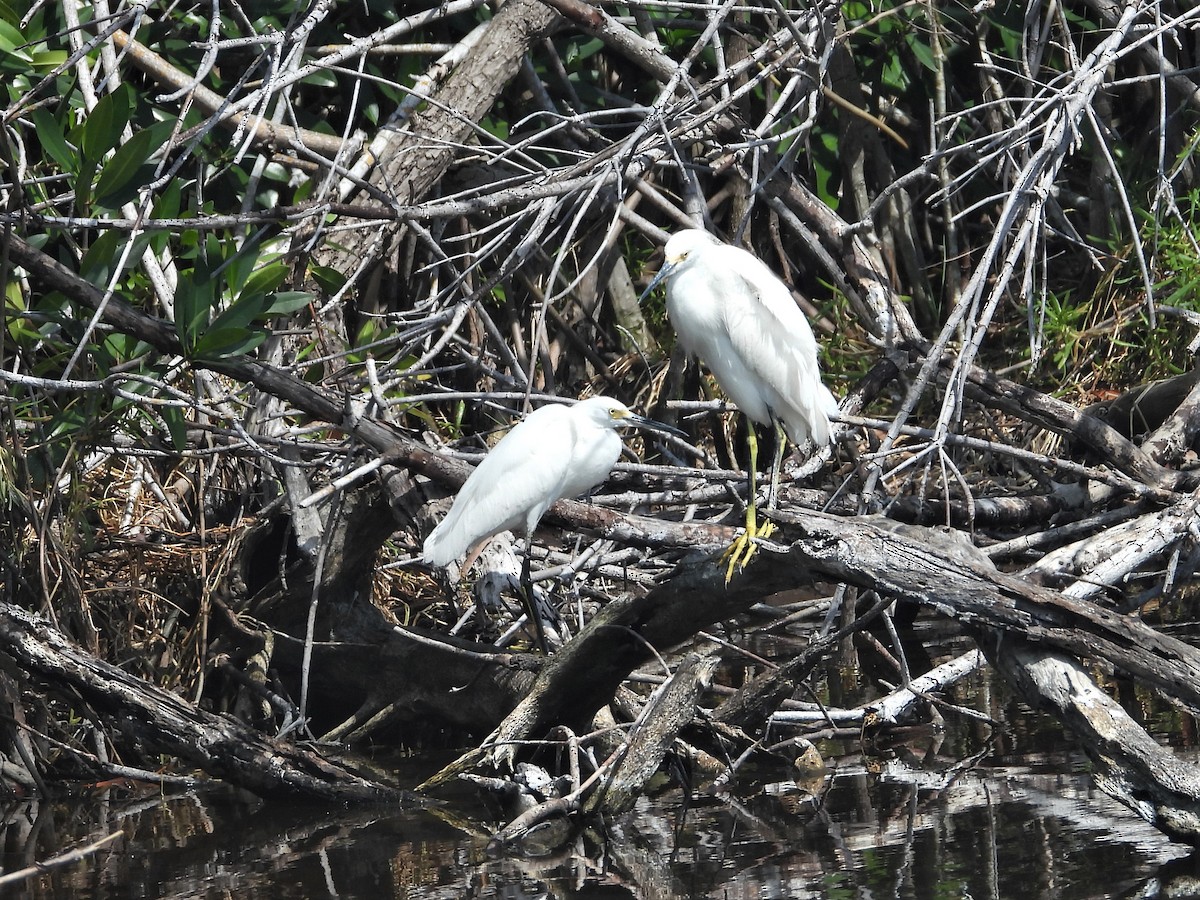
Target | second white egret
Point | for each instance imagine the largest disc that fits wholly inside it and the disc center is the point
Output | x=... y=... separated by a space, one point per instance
x=733 y=312
x=554 y=452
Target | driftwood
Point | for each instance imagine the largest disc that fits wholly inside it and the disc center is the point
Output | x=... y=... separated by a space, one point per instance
x=223 y=747
x=935 y=572
x=1130 y=765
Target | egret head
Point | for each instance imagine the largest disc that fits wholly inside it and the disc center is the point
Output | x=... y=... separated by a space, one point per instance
x=609 y=413
x=684 y=243
x=605 y=411
x=683 y=246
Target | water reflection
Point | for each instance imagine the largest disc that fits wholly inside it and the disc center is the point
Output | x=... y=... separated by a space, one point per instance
x=898 y=829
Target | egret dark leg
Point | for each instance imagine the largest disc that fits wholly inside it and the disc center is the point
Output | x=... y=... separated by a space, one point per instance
x=529 y=604
x=742 y=549
x=777 y=463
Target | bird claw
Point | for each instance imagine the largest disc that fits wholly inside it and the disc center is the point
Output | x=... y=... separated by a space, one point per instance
x=739 y=552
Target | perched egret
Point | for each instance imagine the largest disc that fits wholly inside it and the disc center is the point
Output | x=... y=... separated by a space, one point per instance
x=732 y=311
x=556 y=451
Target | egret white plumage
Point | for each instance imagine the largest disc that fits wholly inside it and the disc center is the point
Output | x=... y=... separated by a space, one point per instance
x=554 y=452
x=733 y=312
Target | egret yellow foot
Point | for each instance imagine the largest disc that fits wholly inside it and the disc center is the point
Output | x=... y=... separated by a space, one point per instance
x=737 y=556
x=740 y=551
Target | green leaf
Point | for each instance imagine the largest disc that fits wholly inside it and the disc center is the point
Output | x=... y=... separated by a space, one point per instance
x=129 y=168
x=265 y=279
x=283 y=302
x=237 y=263
x=53 y=141
x=101 y=130
x=329 y=280
x=121 y=347
x=321 y=78
x=220 y=343
x=194 y=299
x=176 y=424
x=99 y=263
x=48 y=60
x=923 y=53
x=240 y=313
x=11 y=39
x=166 y=206
x=19 y=326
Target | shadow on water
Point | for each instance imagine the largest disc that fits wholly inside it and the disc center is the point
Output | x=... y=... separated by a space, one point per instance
x=902 y=828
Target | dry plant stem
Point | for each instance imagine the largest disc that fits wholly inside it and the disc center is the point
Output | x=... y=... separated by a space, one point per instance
x=269 y=134
x=904 y=702
x=381 y=437
x=759 y=699
x=58 y=862
x=1057 y=535
x=1062 y=418
x=1108 y=10
x=1019 y=225
x=901 y=705
x=427 y=147
x=1107 y=559
x=881 y=311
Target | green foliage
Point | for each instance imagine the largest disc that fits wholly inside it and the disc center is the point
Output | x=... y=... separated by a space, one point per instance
x=130 y=167
x=1061 y=322
x=1177 y=250
x=1103 y=340
x=217 y=318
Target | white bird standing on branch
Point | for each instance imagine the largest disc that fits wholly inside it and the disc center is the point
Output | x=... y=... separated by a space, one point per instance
x=554 y=452
x=733 y=312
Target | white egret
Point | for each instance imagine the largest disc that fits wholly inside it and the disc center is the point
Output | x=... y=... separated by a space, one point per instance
x=554 y=452
x=733 y=312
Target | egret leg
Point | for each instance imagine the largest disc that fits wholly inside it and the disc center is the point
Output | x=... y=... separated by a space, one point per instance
x=777 y=463
x=529 y=604
x=740 y=551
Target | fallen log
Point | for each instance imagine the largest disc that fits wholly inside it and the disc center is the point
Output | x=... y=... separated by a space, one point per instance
x=1129 y=765
x=223 y=747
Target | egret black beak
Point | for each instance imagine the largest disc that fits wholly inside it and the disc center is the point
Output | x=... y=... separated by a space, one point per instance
x=654 y=425
x=667 y=268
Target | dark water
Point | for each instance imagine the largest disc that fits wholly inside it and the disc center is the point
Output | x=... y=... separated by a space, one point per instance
x=900 y=828
x=975 y=812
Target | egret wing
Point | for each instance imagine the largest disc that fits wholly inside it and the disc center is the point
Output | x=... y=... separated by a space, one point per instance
x=771 y=335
